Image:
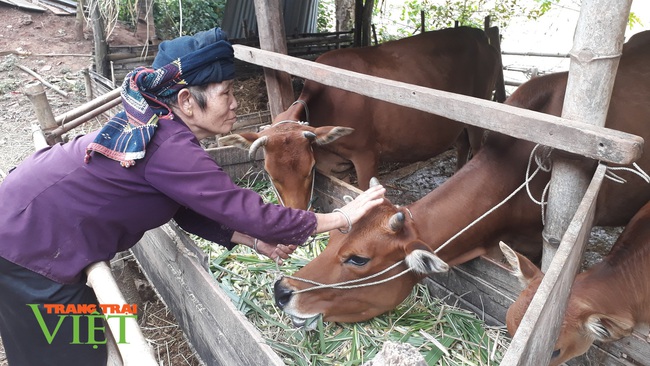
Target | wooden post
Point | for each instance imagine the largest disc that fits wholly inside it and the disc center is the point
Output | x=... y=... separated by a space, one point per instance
x=495 y=40
x=88 y=83
x=270 y=25
x=422 y=27
x=79 y=21
x=594 y=59
x=358 y=22
x=366 y=21
x=36 y=94
x=99 y=36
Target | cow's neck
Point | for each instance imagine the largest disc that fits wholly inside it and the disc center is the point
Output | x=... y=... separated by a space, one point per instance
x=482 y=184
x=616 y=291
x=620 y=280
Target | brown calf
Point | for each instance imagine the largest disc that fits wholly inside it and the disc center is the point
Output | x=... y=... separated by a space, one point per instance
x=347 y=128
x=606 y=301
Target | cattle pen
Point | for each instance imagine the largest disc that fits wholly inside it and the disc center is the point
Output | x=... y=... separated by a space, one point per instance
x=220 y=334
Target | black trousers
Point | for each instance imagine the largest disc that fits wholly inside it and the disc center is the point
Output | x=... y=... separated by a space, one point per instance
x=58 y=338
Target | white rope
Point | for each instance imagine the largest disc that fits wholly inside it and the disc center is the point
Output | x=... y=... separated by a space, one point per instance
x=609 y=174
x=346 y=285
x=304 y=104
x=540 y=166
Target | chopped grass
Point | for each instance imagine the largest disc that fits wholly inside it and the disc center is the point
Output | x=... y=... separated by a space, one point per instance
x=443 y=334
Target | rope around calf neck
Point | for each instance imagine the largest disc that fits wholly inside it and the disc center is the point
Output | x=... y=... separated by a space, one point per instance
x=345 y=285
x=540 y=166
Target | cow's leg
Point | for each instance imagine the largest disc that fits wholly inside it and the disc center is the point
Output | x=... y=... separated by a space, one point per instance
x=332 y=164
x=467 y=144
x=462 y=149
x=366 y=166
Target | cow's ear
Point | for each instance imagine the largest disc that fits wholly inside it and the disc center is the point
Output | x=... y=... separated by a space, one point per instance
x=607 y=328
x=328 y=134
x=522 y=268
x=422 y=260
x=242 y=141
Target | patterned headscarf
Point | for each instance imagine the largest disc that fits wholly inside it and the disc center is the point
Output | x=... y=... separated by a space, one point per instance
x=207 y=57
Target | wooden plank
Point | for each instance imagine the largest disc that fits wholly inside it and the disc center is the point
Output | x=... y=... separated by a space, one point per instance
x=460 y=288
x=219 y=333
x=330 y=191
x=533 y=343
x=23 y=4
x=270 y=25
x=235 y=161
x=581 y=138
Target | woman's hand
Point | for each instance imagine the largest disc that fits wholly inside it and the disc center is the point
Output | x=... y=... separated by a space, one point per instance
x=276 y=252
x=345 y=217
x=358 y=207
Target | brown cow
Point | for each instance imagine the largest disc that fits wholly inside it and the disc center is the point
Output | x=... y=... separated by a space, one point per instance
x=607 y=301
x=389 y=233
x=345 y=127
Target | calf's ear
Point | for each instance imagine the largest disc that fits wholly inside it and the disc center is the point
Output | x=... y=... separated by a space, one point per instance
x=522 y=267
x=608 y=328
x=242 y=141
x=328 y=134
x=422 y=260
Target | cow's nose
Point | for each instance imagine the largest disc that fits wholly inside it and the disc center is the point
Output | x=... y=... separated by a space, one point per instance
x=282 y=294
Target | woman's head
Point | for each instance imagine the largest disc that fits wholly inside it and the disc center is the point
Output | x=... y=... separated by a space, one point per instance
x=203 y=99
x=208 y=109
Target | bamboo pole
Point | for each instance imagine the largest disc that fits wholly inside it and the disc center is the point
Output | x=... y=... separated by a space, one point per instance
x=99 y=101
x=40 y=78
x=36 y=94
x=595 y=55
x=136 y=351
x=38 y=137
x=86 y=117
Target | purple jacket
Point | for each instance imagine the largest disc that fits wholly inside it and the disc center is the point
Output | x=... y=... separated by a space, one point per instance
x=59 y=214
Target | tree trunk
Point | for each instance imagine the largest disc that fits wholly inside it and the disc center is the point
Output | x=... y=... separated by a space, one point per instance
x=344 y=15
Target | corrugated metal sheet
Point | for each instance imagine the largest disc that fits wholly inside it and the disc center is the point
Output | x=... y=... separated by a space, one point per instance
x=299 y=17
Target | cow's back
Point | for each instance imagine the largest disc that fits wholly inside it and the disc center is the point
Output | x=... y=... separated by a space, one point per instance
x=458 y=60
x=629 y=111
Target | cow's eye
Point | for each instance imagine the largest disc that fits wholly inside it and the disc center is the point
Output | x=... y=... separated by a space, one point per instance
x=555 y=353
x=357 y=261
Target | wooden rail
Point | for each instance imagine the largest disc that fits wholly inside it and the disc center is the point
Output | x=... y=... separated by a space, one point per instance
x=599 y=143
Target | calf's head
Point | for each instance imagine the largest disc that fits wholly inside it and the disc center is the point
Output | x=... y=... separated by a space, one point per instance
x=581 y=325
x=288 y=154
x=385 y=238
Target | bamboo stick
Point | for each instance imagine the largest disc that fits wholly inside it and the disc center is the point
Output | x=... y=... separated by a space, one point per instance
x=86 y=117
x=36 y=94
x=89 y=106
x=40 y=78
x=136 y=351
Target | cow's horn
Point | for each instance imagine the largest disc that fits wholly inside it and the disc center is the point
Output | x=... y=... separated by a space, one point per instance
x=396 y=222
x=256 y=145
x=374 y=182
x=309 y=135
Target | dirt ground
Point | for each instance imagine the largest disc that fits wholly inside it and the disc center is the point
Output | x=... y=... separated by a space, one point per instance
x=46 y=44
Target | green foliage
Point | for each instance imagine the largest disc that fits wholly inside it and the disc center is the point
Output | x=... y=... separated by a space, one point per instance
x=634 y=21
x=174 y=18
x=443 y=14
x=326 y=20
